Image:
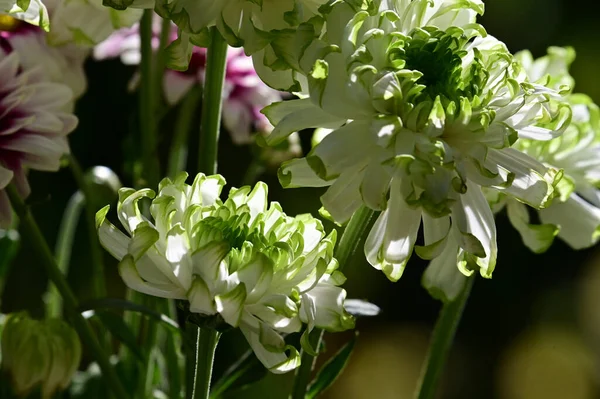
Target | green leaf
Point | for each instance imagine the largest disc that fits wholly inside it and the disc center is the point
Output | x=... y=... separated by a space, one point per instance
x=121 y=304
x=331 y=370
x=119 y=329
x=245 y=371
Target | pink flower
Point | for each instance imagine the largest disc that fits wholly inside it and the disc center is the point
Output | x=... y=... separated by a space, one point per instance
x=244 y=94
x=34 y=123
x=62 y=64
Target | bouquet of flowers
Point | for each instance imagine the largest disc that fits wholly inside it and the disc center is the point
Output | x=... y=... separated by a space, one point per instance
x=424 y=127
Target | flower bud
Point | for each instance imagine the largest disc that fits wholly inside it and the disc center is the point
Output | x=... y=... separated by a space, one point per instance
x=36 y=353
x=104 y=183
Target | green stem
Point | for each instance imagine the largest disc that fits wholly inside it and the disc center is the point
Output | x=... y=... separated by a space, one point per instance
x=254 y=171
x=98 y=277
x=36 y=240
x=356 y=228
x=148 y=102
x=441 y=342
x=205 y=357
x=161 y=58
x=216 y=60
x=179 y=148
x=64 y=243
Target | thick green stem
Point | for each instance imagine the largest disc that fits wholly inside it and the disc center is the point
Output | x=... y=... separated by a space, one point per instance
x=216 y=60
x=356 y=228
x=205 y=357
x=64 y=243
x=38 y=243
x=178 y=153
x=148 y=102
x=441 y=343
x=98 y=278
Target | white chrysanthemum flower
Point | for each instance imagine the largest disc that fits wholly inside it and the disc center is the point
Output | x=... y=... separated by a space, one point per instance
x=33 y=12
x=575 y=214
x=272 y=31
x=87 y=22
x=425 y=107
x=251 y=266
x=33 y=124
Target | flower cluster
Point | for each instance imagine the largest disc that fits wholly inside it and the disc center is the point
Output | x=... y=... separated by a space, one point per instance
x=252 y=266
x=425 y=108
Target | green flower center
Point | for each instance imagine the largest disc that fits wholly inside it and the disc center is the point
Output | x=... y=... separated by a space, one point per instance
x=438 y=55
x=235 y=230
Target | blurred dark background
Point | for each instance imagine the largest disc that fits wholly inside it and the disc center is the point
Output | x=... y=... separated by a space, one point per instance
x=533 y=331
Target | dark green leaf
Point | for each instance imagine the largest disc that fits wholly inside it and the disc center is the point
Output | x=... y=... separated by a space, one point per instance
x=121 y=304
x=245 y=371
x=331 y=370
x=119 y=329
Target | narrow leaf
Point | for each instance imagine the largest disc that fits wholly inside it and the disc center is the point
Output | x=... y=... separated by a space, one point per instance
x=244 y=372
x=331 y=370
x=121 y=304
x=119 y=329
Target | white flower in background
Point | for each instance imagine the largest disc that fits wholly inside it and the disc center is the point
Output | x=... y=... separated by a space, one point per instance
x=425 y=107
x=31 y=11
x=244 y=94
x=575 y=214
x=34 y=123
x=43 y=353
x=62 y=64
x=87 y=22
x=252 y=266
x=272 y=31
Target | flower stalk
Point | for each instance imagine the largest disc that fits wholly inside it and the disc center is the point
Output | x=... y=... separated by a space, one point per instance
x=206 y=346
x=147 y=102
x=36 y=239
x=64 y=243
x=216 y=60
x=98 y=279
x=441 y=342
x=178 y=153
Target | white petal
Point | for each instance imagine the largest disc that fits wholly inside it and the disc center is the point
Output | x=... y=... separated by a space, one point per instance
x=343 y=198
x=345 y=148
x=476 y=228
x=132 y=279
x=294 y=115
x=298 y=173
x=113 y=240
x=323 y=307
x=532 y=182
x=537 y=237
x=442 y=278
x=276 y=362
x=579 y=221
x=231 y=305
x=201 y=300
